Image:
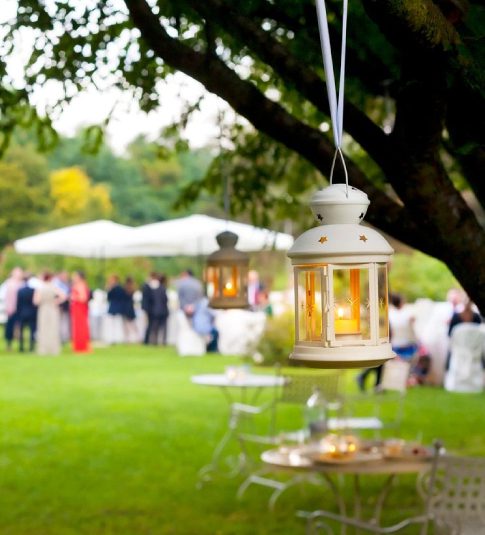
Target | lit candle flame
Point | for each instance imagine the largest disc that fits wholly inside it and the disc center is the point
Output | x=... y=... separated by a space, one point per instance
x=340 y=313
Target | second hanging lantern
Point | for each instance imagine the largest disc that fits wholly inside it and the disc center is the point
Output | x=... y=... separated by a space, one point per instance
x=227 y=274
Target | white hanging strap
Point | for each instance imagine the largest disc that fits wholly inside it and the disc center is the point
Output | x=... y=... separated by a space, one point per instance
x=338 y=152
x=336 y=103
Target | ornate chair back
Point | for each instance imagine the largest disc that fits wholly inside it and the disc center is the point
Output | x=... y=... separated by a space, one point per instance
x=457 y=502
x=299 y=387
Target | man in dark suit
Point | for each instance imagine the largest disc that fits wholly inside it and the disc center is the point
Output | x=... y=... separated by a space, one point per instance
x=26 y=313
x=155 y=305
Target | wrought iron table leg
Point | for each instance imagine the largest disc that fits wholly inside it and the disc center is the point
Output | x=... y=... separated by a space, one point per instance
x=381 y=498
x=217 y=456
x=357 y=501
x=338 y=498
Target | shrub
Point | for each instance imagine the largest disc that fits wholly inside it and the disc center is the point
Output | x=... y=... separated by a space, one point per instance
x=277 y=341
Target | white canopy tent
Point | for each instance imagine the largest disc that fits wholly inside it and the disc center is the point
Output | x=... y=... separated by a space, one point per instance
x=196 y=235
x=97 y=239
x=193 y=235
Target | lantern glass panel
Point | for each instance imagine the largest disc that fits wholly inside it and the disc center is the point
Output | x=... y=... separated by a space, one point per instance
x=383 y=300
x=310 y=306
x=230 y=281
x=212 y=279
x=351 y=304
x=243 y=282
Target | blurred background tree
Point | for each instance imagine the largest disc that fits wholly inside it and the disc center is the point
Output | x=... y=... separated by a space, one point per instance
x=75 y=199
x=20 y=205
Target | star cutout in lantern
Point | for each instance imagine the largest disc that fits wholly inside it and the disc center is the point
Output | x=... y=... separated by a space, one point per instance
x=323 y=239
x=363 y=237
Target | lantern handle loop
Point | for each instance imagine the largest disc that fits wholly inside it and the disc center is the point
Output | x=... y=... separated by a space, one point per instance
x=336 y=102
x=338 y=151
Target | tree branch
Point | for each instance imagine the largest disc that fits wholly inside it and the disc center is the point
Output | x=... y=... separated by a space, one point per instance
x=421 y=180
x=272 y=119
x=372 y=73
x=302 y=77
x=464 y=121
x=418 y=27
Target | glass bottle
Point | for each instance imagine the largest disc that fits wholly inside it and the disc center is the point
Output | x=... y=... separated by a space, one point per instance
x=316 y=414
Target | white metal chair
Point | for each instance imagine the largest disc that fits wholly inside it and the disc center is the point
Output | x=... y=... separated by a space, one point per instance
x=457 y=505
x=454 y=497
x=391 y=395
x=467 y=347
x=296 y=391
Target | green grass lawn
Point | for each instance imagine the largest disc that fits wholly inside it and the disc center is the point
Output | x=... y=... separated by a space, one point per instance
x=111 y=443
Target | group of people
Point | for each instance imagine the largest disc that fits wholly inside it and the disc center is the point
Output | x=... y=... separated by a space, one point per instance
x=52 y=308
x=155 y=306
x=404 y=340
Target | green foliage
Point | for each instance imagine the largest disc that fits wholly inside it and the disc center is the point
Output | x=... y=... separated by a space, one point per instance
x=267 y=182
x=20 y=205
x=417 y=275
x=16 y=111
x=143 y=186
x=24 y=156
x=130 y=195
x=278 y=338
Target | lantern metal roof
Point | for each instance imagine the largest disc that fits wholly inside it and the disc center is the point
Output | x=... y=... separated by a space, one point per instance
x=227 y=241
x=341 y=209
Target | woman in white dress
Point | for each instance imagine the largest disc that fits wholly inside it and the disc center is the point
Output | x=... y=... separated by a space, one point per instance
x=48 y=298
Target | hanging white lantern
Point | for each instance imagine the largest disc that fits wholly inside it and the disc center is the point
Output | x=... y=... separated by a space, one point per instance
x=341 y=289
x=227 y=274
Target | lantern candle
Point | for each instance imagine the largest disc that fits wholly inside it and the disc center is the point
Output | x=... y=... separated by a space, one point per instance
x=335 y=446
x=345 y=326
x=230 y=283
x=229 y=289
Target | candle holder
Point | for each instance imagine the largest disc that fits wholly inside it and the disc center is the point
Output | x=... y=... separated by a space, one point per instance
x=227 y=274
x=341 y=288
x=338 y=446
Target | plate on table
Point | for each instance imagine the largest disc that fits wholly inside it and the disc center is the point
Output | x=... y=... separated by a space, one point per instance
x=409 y=453
x=286 y=457
x=359 y=457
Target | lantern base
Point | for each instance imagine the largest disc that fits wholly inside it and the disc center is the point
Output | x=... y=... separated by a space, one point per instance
x=314 y=356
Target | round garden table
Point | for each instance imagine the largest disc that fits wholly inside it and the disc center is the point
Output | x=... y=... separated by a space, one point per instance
x=237 y=388
x=294 y=460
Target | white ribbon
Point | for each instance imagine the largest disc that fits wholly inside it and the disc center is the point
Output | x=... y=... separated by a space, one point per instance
x=336 y=102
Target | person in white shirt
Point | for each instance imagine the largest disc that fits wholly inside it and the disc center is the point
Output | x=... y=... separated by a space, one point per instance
x=403 y=339
x=401 y=323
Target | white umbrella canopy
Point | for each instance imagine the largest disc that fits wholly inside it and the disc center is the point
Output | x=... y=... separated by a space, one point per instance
x=97 y=239
x=196 y=235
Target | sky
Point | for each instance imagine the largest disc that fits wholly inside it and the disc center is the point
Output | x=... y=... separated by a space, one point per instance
x=128 y=121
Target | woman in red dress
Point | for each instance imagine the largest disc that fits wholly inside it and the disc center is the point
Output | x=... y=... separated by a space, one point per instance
x=79 y=313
